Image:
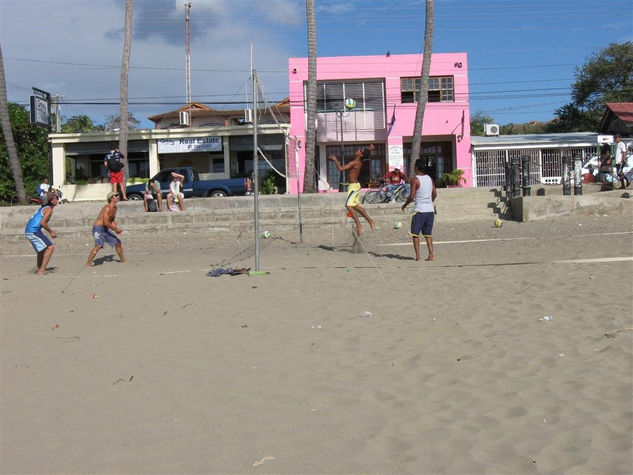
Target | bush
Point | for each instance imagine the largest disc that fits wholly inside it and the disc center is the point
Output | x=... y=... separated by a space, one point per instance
x=268 y=185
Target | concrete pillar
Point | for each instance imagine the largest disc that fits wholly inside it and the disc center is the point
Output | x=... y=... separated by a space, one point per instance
x=59 y=165
x=154 y=164
x=227 y=155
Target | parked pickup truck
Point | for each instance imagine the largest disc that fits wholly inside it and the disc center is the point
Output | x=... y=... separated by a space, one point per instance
x=193 y=185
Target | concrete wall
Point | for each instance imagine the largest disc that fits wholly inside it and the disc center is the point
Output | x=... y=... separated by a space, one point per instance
x=535 y=208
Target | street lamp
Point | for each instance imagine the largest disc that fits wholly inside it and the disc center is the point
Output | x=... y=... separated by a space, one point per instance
x=344 y=111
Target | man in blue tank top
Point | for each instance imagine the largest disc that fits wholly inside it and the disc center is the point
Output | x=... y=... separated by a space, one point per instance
x=33 y=231
x=423 y=192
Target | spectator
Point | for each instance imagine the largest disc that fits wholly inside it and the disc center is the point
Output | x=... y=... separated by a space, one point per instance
x=43 y=188
x=114 y=163
x=393 y=179
x=620 y=161
x=152 y=194
x=605 y=168
x=175 y=195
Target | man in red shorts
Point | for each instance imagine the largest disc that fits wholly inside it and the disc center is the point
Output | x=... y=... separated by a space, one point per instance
x=114 y=163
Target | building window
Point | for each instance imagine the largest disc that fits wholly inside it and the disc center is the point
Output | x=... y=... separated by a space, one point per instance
x=331 y=95
x=441 y=89
x=372 y=169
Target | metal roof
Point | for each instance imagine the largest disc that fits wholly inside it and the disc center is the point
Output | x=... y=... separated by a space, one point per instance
x=573 y=138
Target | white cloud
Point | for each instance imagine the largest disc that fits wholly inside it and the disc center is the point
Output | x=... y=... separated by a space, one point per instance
x=77 y=53
x=282 y=12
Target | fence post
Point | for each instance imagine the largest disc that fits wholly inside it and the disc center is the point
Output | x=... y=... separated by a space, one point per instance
x=507 y=187
x=525 y=175
x=565 y=177
x=516 y=177
x=577 y=174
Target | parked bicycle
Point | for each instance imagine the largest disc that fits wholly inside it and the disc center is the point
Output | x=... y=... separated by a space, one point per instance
x=400 y=193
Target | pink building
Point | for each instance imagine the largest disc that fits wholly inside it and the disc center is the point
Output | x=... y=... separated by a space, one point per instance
x=385 y=90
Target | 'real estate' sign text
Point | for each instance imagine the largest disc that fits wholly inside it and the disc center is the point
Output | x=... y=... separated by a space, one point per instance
x=190 y=144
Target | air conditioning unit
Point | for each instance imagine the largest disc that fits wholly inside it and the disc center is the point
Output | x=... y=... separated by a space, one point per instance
x=183 y=118
x=248 y=116
x=491 y=129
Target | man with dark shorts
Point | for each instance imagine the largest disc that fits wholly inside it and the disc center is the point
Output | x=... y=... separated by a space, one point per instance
x=33 y=231
x=423 y=192
x=103 y=227
x=153 y=194
x=353 y=188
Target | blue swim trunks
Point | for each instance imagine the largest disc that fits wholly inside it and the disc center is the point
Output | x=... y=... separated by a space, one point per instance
x=422 y=223
x=38 y=240
x=104 y=236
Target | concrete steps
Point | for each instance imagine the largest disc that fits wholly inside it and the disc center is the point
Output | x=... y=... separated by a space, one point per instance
x=276 y=212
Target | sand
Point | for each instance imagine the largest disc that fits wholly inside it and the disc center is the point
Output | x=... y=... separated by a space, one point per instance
x=334 y=362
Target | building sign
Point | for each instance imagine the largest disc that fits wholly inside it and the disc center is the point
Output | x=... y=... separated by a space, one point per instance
x=41 y=108
x=190 y=144
x=396 y=157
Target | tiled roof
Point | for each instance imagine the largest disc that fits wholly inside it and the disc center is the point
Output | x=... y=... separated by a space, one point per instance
x=200 y=110
x=622 y=110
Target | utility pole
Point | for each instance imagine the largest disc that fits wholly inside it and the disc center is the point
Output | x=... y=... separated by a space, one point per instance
x=255 y=169
x=58 y=119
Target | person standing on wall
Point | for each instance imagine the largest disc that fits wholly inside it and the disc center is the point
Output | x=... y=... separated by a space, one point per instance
x=114 y=163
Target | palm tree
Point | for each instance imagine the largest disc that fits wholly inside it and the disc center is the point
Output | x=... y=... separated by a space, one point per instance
x=8 y=136
x=423 y=93
x=308 y=177
x=125 y=65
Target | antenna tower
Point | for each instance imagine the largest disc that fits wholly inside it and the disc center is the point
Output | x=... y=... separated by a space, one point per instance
x=187 y=54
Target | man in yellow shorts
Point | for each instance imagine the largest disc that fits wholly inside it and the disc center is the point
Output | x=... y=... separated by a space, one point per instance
x=353 y=188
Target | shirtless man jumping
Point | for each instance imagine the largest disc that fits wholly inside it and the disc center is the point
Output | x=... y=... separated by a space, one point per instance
x=103 y=227
x=353 y=188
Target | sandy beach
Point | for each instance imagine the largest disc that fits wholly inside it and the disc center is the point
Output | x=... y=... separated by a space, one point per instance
x=334 y=362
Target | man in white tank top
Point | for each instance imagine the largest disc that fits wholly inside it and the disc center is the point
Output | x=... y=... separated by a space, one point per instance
x=423 y=192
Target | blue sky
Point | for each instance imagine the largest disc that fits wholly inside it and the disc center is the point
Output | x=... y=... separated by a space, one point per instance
x=522 y=54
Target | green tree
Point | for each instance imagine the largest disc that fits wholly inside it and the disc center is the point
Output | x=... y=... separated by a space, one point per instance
x=31 y=143
x=8 y=139
x=113 y=122
x=80 y=123
x=477 y=122
x=607 y=76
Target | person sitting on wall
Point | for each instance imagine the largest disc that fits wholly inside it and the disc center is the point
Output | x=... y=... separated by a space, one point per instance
x=152 y=196
x=43 y=188
x=175 y=197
